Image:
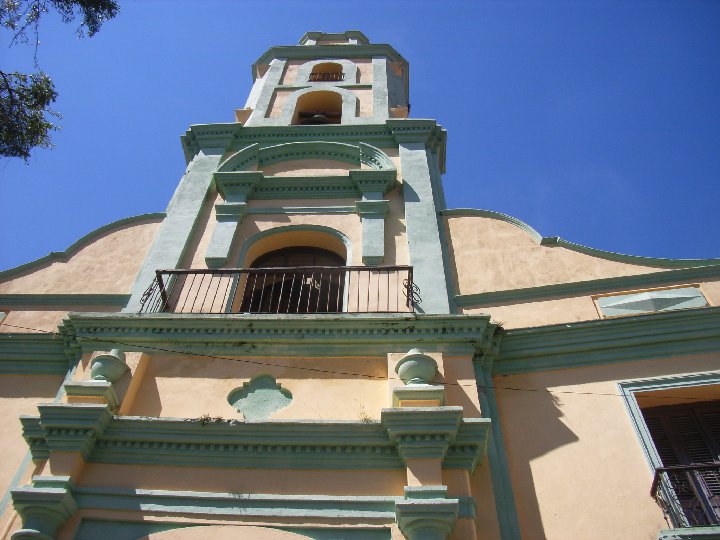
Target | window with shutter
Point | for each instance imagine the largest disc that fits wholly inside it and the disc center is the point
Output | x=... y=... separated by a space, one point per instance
x=687 y=440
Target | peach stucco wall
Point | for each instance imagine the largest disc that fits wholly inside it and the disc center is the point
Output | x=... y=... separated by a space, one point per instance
x=512 y=259
x=107 y=264
x=571 y=446
x=316 y=395
x=19 y=394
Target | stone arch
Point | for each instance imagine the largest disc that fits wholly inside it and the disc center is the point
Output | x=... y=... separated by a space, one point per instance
x=224 y=532
x=349 y=68
x=355 y=154
x=277 y=238
x=349 y=103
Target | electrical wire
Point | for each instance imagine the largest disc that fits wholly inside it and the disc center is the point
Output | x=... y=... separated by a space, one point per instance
x=347 y=373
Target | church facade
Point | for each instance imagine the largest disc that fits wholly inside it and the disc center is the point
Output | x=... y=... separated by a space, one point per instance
x=308 y=344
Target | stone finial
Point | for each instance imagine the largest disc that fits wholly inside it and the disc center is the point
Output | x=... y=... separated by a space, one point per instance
x=108 y=366
x=416 y=367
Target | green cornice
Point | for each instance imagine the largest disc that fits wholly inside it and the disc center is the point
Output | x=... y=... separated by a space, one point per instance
x=690 y=533
x=70 y=299
x=32 y=354
x=376 y=508
x=312 y=52
x=63 y=256
x=233 y=137
x=255 y=185
x=266 y=335
x=655 y=335
x=583 y=288
x=556 y=241
x=302 y=444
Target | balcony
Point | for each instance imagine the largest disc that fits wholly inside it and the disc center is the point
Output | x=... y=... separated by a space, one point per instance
x=689 y=495
x=326 y=77
x=287 y=290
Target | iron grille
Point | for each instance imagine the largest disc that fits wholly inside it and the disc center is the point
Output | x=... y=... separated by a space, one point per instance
x=689 y=495
x=325 y=77
x=301 y=289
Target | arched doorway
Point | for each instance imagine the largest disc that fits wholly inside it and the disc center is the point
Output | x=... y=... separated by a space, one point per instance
x=301 y=279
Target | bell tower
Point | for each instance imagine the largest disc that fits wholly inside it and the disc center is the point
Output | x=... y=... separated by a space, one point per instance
x=327 y=79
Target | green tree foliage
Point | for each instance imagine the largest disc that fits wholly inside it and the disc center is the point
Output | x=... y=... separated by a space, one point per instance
x=25 y=116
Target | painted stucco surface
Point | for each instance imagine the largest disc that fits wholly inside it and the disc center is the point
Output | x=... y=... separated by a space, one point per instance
x=107 y=264
x=511 y=259
x=277 y=103
x=225 y=533
x=19 y=394
x=38 y=319
x=527 y=314
x=307 y=167
x=365 y=101
x=569 y=449
x=329 y=389
x=271 y=481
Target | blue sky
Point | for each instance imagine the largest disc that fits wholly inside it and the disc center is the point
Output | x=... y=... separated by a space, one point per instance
x=595 y=121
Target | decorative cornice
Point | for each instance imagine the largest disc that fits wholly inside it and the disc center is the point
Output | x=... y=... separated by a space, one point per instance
x=655 y=335
x=354 y=153
x=584 y=288
x=251 y=334
x=377 y=508
x=63 y=256
x=69 y=299
x=222 y=443
x=305 y=52
x=32 y=354
x=556 y=241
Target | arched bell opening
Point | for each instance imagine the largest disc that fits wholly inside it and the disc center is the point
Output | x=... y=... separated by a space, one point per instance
x=316 y=108
x=326 y=72
x=302 y=279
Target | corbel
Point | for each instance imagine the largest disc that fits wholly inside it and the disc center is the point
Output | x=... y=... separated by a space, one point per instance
x=43 y=507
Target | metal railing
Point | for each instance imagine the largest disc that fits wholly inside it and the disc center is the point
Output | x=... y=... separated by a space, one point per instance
x=326 y=77
x=689 y=495
x=301 y=289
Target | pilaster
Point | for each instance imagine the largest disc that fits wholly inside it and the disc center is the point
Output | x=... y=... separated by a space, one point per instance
x=43 y=507
x=423 y=229
x=183 y=214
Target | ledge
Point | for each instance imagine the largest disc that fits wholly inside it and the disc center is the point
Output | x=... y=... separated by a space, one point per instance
x=70 y=300
x=295 y=335
x=583 y=288
x=301 y=444
x=623 y=339
x=32 y=354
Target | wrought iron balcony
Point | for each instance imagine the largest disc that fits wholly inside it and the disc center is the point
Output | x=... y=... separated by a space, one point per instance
x=689 y=495
x=326 y=77
x=301 y=289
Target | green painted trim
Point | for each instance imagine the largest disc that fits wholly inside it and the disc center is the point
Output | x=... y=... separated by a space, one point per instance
x=499 y=467
x=556 y=241
x=355 y=154
x=32 y=354
x=302 y=444
x=41 y=299
x=584 y=288
x=290 y=210
x=376 y=508
x=241 y=260
x=476 y=212
x=623 y=339
x=353 y=36
x=690 y=533
x=63 y=256
x=267 y=335
x=237 y=137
